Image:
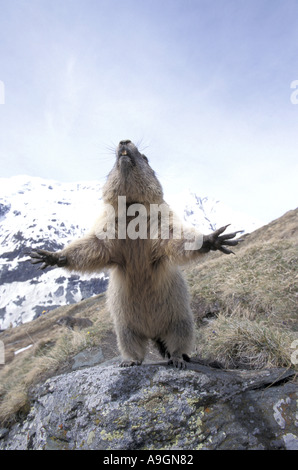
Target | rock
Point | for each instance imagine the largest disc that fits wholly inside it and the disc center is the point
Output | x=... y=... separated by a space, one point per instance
x=3 y=432
x=87 y=358
x=157 y=407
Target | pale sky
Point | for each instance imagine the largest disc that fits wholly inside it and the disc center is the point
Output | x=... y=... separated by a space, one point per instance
x=204 y=87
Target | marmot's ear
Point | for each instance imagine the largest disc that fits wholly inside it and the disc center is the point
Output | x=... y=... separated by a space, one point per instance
x=145 y=158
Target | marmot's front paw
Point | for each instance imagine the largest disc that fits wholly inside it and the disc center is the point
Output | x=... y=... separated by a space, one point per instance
x=215 y=241
x=47 y=258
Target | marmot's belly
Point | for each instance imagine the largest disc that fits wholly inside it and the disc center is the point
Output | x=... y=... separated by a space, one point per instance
x=148 y=307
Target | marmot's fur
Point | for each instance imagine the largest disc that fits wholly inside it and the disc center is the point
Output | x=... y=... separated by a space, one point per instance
x=147 y=294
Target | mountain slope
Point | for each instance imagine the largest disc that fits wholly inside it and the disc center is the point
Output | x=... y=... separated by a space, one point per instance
x=247 y=305
x=42 y=214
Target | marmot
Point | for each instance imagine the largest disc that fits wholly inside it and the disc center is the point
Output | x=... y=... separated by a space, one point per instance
x=147 y=294
x=72 y=322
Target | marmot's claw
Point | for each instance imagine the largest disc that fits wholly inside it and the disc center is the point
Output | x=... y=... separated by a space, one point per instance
x=46 y=258
x=220 y=230
x=35 y=261
x=177 y=362
x=229 y=235
x=129 y=363
x=225 y=250
x=221 y=242
x=233 y=242
x=216 y=241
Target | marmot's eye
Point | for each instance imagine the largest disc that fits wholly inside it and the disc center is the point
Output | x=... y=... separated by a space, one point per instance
x=145 y=158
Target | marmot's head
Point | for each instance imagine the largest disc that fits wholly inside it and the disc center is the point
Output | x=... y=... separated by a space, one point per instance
x=132 y=177
x=64 y=321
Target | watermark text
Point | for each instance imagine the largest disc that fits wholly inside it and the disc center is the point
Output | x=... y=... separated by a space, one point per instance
x=135 y=221
x=294 y=95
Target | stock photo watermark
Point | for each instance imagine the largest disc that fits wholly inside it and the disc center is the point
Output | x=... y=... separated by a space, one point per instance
x=2 y=92
x=157 y=222
x=294 y=95
x=2 y=353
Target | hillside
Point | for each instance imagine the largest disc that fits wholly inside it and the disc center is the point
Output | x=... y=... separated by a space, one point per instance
x=245 y=307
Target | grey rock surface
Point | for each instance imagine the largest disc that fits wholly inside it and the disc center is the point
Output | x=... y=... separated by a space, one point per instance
x=158 y=407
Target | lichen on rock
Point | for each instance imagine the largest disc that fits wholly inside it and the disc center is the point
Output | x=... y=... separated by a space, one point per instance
x=157 y=407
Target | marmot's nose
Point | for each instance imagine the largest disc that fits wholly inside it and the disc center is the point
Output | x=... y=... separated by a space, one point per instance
x=125 y=142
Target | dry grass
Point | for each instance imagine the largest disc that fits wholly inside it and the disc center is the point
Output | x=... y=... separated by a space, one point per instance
x=260 y=280
x=242 y=343
x=52 y=349
x=251 y=299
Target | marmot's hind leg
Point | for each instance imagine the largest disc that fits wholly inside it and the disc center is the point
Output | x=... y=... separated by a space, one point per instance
x=175 y=360
x=177 y=345
x=132 y=347
x=179 y=361
x=162 y=348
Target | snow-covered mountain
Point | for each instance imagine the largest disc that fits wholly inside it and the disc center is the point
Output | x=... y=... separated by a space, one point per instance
x=40 y=213
x=37 y=213
x=208 y=214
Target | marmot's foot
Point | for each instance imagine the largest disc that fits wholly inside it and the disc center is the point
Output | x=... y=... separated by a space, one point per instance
x=129 y=363
x=179 y=362
x=216 y=242
x=47 y=258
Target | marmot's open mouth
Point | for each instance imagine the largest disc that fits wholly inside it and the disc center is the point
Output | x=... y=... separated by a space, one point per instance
x=125 y=159
x=125 y=153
